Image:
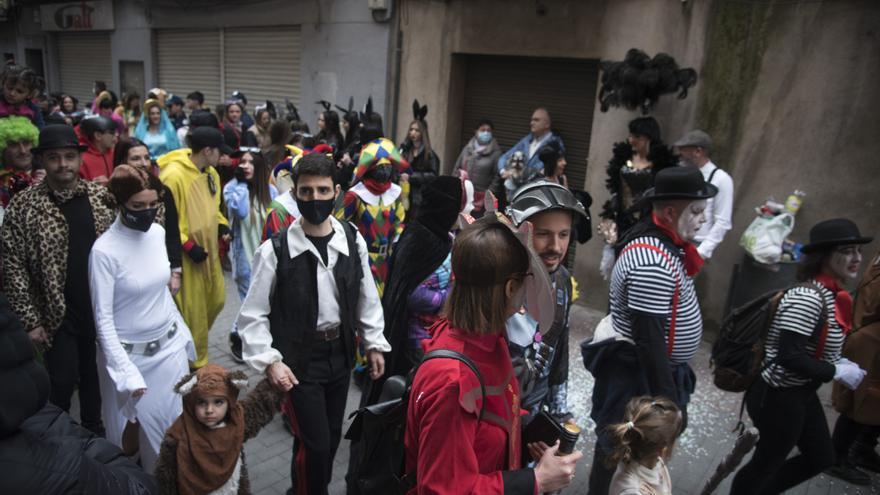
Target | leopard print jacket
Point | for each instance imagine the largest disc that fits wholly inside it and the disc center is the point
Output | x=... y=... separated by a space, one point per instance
x=34 y=242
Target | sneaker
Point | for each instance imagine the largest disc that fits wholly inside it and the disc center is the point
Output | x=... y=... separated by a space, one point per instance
x=867 y=459
x=847 y=471
x=235 y=347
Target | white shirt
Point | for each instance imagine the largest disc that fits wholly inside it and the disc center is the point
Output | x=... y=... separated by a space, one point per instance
x=535 y=145
x=128 y=282
x=253 y=318
x=719 y=211
x=632 y=478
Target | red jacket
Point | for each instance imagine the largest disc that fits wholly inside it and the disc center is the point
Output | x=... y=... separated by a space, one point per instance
x=95 y=164
x=449 y=450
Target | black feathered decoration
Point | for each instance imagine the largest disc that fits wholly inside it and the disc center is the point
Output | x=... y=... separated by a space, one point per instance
x=326 y=104
x=269 y=107
x=368 y=109
x=292 y=112
x=419 y=112
x=639 y=81
x=346 y=111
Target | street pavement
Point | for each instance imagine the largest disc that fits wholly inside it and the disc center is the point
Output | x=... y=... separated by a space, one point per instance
x=712 y=417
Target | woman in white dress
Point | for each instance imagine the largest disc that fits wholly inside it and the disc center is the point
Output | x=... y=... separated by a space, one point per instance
x=143 y=344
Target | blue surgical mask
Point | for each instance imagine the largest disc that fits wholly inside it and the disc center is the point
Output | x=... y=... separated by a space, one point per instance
x=484 y=137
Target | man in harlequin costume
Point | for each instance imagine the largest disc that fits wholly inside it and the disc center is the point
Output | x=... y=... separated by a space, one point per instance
x=375 y=204
x=195 y=185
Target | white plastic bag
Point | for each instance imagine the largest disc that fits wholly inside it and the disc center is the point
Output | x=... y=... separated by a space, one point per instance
x=764 y=237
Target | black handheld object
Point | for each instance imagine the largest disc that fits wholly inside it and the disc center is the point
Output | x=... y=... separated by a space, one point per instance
x=568 y=438
x=543 y=428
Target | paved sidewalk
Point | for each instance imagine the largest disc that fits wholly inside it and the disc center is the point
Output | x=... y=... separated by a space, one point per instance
x=707 y=440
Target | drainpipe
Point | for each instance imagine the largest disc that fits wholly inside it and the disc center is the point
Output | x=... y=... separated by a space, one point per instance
x=392 y=80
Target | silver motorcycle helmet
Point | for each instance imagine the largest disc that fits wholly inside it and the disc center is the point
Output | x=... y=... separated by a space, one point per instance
x=543 y=195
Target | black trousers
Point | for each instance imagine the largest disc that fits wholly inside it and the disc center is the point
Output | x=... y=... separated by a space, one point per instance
x=847 y=431
x=620 y=378
x=318 y=410
x=72 y=361
x=786 y=417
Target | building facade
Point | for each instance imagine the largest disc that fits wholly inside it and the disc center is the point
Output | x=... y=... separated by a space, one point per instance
x=300 y=50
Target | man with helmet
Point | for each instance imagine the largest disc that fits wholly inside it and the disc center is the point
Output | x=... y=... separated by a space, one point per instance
x=540 y=356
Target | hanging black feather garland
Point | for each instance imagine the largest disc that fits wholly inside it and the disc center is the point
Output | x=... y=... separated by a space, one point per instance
x=638 y=81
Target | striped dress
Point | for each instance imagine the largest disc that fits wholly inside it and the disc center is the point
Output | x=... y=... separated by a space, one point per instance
x=644 y=282
x=799 y=311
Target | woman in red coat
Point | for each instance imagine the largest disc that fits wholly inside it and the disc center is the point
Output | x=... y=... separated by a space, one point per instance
x=448 y=448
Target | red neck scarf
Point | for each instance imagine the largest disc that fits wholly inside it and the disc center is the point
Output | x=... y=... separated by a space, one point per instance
x=693 y=262
x=375 y=187
x=843 y=303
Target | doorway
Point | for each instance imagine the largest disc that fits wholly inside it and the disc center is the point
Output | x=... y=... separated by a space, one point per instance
x=131 y=77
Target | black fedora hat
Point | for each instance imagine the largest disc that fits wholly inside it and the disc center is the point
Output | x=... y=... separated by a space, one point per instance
x=834 y=232
x=680 y=183
x=57 y=136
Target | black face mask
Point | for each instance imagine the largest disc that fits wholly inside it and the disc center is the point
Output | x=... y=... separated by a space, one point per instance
x=380 y=174
x=139 y=219
x=316 y=210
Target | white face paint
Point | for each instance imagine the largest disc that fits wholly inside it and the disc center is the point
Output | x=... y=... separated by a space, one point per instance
x=691 y=219
x=845 y=261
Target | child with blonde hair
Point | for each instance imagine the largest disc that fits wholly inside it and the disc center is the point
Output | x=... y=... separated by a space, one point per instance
x=642 y=445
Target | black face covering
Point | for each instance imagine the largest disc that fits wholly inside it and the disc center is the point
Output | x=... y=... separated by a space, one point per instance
x=380 y=174
x=316 y=210
x=139 y=219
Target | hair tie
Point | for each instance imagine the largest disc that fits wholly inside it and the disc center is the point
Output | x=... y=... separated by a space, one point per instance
x=630 y=425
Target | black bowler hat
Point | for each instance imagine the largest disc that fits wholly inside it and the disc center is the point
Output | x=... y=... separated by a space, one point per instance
x=57 y=136
x=834 y=232
x=680 y=183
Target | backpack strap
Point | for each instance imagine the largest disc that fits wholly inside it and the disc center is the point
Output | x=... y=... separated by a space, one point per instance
x=675 y=295
x=822 y=327
x=408 y=480
x=450 y=354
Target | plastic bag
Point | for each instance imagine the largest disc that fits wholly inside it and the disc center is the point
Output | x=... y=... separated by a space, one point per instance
x=765 y=235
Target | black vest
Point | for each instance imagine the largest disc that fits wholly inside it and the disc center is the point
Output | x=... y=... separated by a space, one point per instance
x=293 y=316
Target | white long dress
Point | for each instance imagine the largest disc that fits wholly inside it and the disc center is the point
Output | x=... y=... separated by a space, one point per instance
x=128 y=280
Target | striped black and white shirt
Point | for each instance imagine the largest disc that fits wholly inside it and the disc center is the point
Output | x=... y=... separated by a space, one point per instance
x=644 y=281
x=799 y=311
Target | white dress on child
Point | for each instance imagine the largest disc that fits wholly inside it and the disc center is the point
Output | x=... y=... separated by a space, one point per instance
x=632 y=478
x=128 y=280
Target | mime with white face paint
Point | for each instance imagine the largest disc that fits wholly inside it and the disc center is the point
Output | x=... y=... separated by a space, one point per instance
x=803 y=350
x=655 y=314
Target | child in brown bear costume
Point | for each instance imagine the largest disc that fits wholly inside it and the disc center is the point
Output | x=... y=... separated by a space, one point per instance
x=203 y=451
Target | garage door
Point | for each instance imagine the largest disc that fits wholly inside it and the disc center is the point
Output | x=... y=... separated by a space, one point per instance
x=262 y=73
x=508 y=89
x=189 y=61
x=84 y=58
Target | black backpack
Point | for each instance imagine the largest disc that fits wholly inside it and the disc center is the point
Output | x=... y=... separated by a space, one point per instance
x=380 y=464
x=738 y=352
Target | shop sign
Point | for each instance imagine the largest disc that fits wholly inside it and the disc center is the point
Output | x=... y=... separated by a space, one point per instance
x=77 y=16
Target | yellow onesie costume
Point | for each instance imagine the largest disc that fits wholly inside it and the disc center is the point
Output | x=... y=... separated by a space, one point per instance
x=202 y=292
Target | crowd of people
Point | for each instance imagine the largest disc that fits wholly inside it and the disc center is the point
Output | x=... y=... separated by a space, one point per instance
x=351 y=253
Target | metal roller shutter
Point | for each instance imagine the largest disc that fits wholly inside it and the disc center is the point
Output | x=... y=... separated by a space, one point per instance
x=189 y=61
x=507 y=90
x=263 y=63
x=84 y=58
